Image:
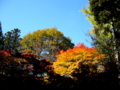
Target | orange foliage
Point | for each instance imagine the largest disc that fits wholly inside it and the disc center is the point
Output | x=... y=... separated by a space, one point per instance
x=68 y=61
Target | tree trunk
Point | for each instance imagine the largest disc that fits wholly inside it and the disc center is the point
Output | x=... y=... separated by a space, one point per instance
x=115 y=48
x=114 y=43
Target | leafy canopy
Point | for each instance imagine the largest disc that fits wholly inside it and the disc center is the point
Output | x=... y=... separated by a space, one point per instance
x=68 y=61
x=101 y=35
x=45 y=43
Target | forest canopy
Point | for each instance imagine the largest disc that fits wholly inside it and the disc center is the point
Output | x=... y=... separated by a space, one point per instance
x=46 y=43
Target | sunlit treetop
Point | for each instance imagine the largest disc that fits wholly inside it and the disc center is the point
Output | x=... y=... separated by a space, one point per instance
x=68 y=61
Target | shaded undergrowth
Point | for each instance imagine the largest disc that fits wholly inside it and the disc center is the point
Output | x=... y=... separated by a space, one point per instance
x=24 y=71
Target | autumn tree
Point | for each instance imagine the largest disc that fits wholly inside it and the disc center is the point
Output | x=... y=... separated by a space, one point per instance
x=68 y=61
x=45 y=43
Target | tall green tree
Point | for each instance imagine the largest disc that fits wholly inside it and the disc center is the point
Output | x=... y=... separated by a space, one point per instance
x=108 y=12
x=106 y=30
x=101 y=36
x=45 y=43
x=1 y=38
x=12 y=39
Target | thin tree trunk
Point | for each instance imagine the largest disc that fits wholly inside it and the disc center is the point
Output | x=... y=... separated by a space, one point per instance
x=115 y=48
x=115 y=44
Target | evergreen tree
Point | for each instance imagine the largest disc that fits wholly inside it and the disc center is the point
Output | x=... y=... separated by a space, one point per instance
x=1 y=38
x=108 y=12
x=101 y=36
x=12 y=39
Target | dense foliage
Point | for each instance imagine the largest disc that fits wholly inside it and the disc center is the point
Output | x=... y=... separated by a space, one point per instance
x=46 y=59
x=101 y=36
x=107 y=12
x=24 y=71
x=68 y=61
x=45 y=43
x=12 y=40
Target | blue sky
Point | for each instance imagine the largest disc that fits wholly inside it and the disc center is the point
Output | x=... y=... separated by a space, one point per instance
x=31 y=15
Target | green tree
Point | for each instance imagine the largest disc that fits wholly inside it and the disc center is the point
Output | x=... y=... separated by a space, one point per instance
x=12 y=39
x=1 y=38
x=101 y=36
x=45 y=43
x=107 y=12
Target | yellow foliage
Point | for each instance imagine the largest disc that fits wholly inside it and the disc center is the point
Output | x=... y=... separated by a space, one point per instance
x=68 y=61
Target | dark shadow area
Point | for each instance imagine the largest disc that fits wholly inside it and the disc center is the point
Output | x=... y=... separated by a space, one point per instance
x=24 y=71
